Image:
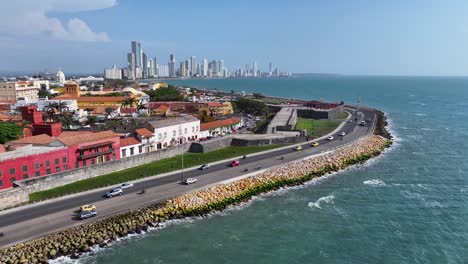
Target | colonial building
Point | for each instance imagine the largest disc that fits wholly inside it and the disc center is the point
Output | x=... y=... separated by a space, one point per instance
x=220 y=127
x=12 y=91
x=130 y=147
x=174 y=131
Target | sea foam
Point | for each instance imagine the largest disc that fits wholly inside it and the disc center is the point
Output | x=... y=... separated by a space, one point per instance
x=326 y=199
x=375 y=182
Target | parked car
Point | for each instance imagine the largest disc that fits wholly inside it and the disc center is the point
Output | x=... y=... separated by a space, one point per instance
x=204 y=167
x=114 y=192
x=126 y=185
x=363 y=123
x=315 y=144
x=190 y=180
x=343 y=134
x=330 y=138
x=298 y=148
x=87 y=214
x=235 y=163
x=87 y=207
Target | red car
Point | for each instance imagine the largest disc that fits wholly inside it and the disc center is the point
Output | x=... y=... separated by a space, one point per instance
x=235 y=163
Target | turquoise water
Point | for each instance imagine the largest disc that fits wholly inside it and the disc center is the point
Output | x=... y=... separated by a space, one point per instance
x=408 y=206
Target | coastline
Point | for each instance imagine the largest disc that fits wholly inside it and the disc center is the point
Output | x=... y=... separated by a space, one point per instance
x=77 y=240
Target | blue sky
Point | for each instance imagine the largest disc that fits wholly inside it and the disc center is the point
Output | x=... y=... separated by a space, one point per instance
x=363 y=37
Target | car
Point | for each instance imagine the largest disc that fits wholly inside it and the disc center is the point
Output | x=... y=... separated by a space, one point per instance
x=343 y=134
x=363 y=123
x=257 y=118
x=126 y=185
x=235 y=163
x=87 y=207
x=87 y=214
x=298 y=148
x=315 y=144
x=350 y=121
x=204 y=167
x=114 y=192
x=368 y=120
x=330 y=138
x=190 y=180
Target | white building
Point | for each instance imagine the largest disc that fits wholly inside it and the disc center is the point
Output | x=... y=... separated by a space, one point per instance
x=42 y=103
x=220 y=127
x=60 y=77
x=147 y=139
x=130 y=147
x=163 y=71
x=174 y=131
x=23 y=90
x=204 y=70
x=113 y=73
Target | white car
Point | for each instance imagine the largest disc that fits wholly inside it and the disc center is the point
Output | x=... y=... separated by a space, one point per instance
x=342 y=134
x=204 y=167
x=114 y=192
x=330 y=138
x=126 y=185
x=190 y=180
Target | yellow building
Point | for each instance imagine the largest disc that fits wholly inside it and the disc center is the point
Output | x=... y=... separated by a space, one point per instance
x=18 y=91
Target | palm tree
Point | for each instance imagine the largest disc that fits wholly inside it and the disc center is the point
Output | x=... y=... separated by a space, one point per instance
x=66 y=120
x=50 y=111
x=63 y=106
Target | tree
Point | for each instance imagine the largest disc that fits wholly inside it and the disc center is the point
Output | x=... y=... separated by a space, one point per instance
x=258 y=95
x=250 y=106
x=9 y=131
x=128 y=102
x=66 y=120
x=44 y=93
x=165 y=94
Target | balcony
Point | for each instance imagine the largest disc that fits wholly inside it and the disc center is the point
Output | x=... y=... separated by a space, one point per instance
x=96 y=154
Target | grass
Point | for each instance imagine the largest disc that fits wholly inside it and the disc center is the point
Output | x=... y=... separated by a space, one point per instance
x=147 y=170
x=316 y=128
x=342 y=115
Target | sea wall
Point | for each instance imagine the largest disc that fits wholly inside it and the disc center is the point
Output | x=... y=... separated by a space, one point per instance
x=76 y=240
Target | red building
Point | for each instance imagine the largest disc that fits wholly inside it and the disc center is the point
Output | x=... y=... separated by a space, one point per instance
x=44 y=155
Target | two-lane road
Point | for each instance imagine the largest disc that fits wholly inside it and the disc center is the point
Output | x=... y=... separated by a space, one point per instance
x=35 y=221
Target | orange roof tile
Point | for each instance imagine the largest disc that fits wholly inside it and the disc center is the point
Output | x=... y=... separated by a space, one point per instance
x=73 y=133
x=219 y=123
x=128 y=141
x=86 y=138
x=163 y=107
x=144 y=132
x=116 y=99
x=43 y=139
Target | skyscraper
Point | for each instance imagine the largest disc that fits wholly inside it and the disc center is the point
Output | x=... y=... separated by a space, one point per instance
x=220 y=68
x=254 y=70
x=193 y=66
x=136 y=49
x=171 y=65
x=271 y=68
x=214 y=68
x=131 y=65
x=144 y=66
x=204 y=70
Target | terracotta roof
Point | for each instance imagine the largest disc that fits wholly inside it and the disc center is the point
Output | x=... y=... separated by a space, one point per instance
x=73 y=133
x=2 y=149
x=215 y=104
x=219 y=123
x=87 y=138
x=65 y=96
x=128 y=141
x=117 y=99
x=163 y=107
x=144 y=132
x=43 y=139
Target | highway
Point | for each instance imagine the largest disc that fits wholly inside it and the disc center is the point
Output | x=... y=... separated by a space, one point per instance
x=34 y=221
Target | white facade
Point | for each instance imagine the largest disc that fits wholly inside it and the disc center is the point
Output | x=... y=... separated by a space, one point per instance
x=113 y=73
x=19 y=90
x=42 y=103
x=131 y=150
x=60 y=76
x=163 y=71
x=174 y=131
x=205 y=68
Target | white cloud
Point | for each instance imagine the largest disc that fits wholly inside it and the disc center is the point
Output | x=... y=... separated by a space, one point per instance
x=30 y=18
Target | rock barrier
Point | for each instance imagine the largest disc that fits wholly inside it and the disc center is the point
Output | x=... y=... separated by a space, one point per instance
x=77 y=240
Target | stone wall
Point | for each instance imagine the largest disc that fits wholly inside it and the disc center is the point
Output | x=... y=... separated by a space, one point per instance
x=13 y=197
x=267 y=141
x=212 y=144
x=325 y=114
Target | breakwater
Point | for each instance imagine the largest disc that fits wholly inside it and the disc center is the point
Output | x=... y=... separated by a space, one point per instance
x=74 y=241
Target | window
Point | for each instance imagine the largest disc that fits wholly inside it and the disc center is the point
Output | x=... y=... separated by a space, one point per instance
x=159 y=136
x=140 y=149
x=84 y=163
x=25 y=176
x=25 y=168
x=107 y=157
x=57 y=169
x=76 y=165
x=165 y=134
x=132 y=151
x=113 y=155
x=1 y=183
x=185 y=130
x=12 y=180
x=100 y=159
x=65 y=167
x=180 y=131
x=47 y=163
x=57 y=161
x=37 y=173
x=193 y=129
x=124 y=152
x=96 y=149
x=37 y=165
x=174 y=133
x=64 y=159
x=48 y=171
x=12 y=171
x=93 y=161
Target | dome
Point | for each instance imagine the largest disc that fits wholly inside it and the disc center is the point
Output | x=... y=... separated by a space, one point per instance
x=60 y=76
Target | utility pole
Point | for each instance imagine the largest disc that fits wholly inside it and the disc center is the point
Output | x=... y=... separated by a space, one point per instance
x=183 y=165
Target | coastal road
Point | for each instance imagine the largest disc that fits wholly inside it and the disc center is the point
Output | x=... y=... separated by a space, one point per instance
x=34 y=221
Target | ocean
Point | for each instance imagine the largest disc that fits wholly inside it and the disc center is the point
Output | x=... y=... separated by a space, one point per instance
x=410 y=205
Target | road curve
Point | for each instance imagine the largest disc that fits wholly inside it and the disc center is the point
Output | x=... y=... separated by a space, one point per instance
x=36 y=221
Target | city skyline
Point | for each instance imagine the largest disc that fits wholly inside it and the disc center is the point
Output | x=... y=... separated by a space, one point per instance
x=364 y=38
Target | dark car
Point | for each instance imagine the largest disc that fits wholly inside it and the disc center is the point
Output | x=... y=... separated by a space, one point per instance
x=87 y=214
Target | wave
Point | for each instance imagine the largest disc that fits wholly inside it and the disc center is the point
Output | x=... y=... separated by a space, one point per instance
x=375 y=182
x=426 y=129
x=421 y=114
x=326 y=199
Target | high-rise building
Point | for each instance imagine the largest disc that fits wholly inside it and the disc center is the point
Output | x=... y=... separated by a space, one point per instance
x=214 y=68
x=163 y=71
x=171 y=64
x=247 y=70
x=136 y=49
x=193 y=66
x=220 y=67
x=271 y=68
x=113 y=73
x=204 y=70
x=254 y=70
x=150 y=68
x=183 y=69
x=144 y=66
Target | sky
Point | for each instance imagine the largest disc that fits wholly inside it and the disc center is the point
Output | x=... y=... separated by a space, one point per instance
x=355 y=37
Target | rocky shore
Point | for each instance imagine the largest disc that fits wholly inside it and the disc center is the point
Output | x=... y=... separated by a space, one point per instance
x=75 y=241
